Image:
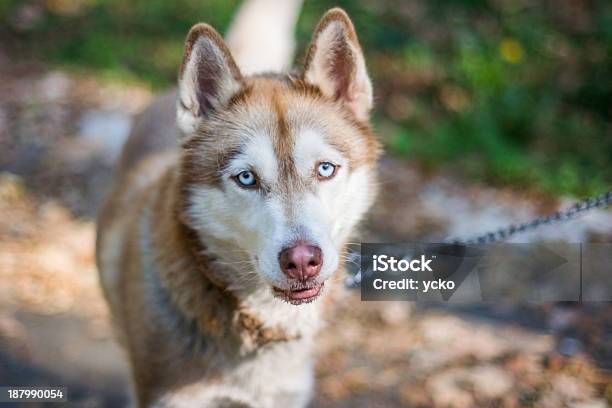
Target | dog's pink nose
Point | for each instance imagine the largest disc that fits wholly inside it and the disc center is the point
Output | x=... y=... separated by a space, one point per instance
x=300 y=261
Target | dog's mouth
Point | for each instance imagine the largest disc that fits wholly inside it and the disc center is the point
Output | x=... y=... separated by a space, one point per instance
x=299 y=293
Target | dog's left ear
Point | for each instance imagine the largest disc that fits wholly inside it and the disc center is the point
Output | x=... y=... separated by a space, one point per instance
x=208 y=77
x=335 y=63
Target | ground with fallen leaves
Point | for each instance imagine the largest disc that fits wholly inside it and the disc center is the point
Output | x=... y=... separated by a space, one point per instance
x=54 y=326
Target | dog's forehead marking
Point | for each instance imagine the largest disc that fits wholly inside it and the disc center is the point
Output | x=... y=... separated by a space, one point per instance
x=284 y=140
x=287 y=142
x=281 y=132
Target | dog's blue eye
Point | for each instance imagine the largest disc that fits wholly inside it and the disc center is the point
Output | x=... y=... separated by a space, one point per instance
x=246 y=178
x=326 y=170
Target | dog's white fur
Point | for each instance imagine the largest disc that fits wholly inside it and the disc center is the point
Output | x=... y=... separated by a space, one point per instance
x=269 y=22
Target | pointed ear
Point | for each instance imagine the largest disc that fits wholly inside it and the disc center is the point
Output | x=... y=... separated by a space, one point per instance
x=208 y=77
x=335 y=63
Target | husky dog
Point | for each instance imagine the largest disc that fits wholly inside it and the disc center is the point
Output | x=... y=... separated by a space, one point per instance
x=232 y=205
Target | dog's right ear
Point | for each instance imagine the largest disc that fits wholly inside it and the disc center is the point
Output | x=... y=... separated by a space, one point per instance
x=208 y=77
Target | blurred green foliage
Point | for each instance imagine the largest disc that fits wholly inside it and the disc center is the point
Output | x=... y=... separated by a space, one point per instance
x=514 y=92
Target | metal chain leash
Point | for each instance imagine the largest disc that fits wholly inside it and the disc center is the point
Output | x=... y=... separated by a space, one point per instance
x=601 y=201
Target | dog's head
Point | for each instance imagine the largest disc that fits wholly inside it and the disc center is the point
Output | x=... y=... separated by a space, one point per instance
x=277 y=170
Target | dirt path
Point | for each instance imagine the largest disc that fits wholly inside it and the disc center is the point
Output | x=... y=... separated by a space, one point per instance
x=59 y=134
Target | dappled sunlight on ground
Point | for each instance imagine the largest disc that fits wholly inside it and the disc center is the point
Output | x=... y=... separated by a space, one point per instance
x=55 y=329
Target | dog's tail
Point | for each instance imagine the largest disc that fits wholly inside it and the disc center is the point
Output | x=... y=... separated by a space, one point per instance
x=261 y=36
